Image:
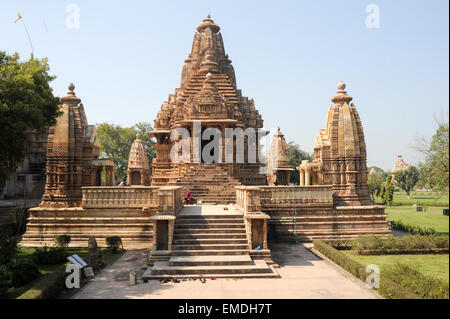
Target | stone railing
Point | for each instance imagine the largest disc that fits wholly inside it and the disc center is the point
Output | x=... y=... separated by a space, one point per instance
x=248 y=198
x=119 y=197
x=255 y=198
x=293 y=195
x=170 y=200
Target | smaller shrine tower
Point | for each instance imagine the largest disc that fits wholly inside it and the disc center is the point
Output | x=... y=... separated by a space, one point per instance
x=278 y=168
x=340 y=152
x=138 y=172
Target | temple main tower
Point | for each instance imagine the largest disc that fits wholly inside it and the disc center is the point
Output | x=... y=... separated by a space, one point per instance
x=208 y=97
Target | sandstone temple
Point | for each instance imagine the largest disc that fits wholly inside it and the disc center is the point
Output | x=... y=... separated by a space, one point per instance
x=239 y=207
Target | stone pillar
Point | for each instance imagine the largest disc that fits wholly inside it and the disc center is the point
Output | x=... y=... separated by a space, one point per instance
x=307 y=178
x=314 y=175
x=108 y=176
x=302 y=177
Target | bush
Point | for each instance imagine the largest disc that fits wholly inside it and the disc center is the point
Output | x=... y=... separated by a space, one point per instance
x=50 y=255
x=114 y=242
x=49 y=288
x=4 y=280
x=62 y=240
x=22 y=271
x=9 y=247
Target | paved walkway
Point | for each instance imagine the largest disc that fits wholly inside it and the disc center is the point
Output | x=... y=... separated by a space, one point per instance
x=303 y=275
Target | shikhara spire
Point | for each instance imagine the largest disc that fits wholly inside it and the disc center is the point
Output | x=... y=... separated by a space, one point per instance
x=207 y=54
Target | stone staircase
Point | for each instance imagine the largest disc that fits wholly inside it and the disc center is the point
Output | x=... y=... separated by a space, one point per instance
x=210 y=184
x=210 y=245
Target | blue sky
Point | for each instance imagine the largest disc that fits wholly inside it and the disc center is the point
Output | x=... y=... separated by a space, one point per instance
x=126 y=57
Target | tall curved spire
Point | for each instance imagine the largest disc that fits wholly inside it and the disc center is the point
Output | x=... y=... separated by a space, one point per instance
x=207 y=54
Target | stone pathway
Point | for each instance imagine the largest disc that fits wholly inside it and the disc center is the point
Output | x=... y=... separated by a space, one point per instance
x=303 y=275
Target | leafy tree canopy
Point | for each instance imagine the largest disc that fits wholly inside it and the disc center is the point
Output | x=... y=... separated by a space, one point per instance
x=26 y=102
x=435 y=170
x=115 y=143
x=407 y=179
x=375 y=183
x=296 y=156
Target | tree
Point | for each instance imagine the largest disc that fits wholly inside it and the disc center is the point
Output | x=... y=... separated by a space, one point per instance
x=115 y=143
x=435 y=170
x=407 y=179
x=375 y=183
x=296 y=156
x=388 y=195
x=26 y=102
x=378 y=170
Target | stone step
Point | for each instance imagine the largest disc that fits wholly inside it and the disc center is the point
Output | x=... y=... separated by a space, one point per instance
x=224 y=260
x=193 y=241
x=163 y=267
x=210 y=246
x=225 y=214
x=216 y=252
x=210 y=226
x=187 y=231
x=201 y=221
x=243 y=235
x=147 y=276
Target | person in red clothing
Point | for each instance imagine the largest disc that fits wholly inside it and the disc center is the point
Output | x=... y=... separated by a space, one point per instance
x=187 y=197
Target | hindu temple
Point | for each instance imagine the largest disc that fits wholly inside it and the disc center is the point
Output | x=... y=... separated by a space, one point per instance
x=239 y=207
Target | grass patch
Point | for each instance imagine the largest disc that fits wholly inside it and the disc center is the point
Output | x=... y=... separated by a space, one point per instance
x=436 y=266
x=432 y=218
x=50 y=283
x=419 y=198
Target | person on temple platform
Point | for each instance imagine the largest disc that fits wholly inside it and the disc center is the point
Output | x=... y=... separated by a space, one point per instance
x=188 y=199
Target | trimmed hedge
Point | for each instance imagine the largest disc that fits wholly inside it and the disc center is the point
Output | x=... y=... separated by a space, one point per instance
x=376 y=245
x=388 y=288
x=412 y=229
x=424 y=286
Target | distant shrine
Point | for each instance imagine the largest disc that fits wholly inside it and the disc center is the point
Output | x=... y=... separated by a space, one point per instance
x=400 y=164
x=239 y=208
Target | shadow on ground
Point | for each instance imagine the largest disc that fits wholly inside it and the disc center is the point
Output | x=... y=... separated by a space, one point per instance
x=291 y=254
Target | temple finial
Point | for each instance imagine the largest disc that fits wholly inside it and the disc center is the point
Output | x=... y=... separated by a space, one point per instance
x=71 y=97
x=71 y=87
x=341 y=96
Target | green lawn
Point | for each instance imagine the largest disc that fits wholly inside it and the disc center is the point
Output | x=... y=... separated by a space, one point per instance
x=419 y=198
x=433 y=217
x=47 y=270
x=430 y=265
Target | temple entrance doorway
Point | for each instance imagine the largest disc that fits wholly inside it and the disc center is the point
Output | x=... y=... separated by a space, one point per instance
x=136 y=178
x=211 y=152
x=98 y=178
